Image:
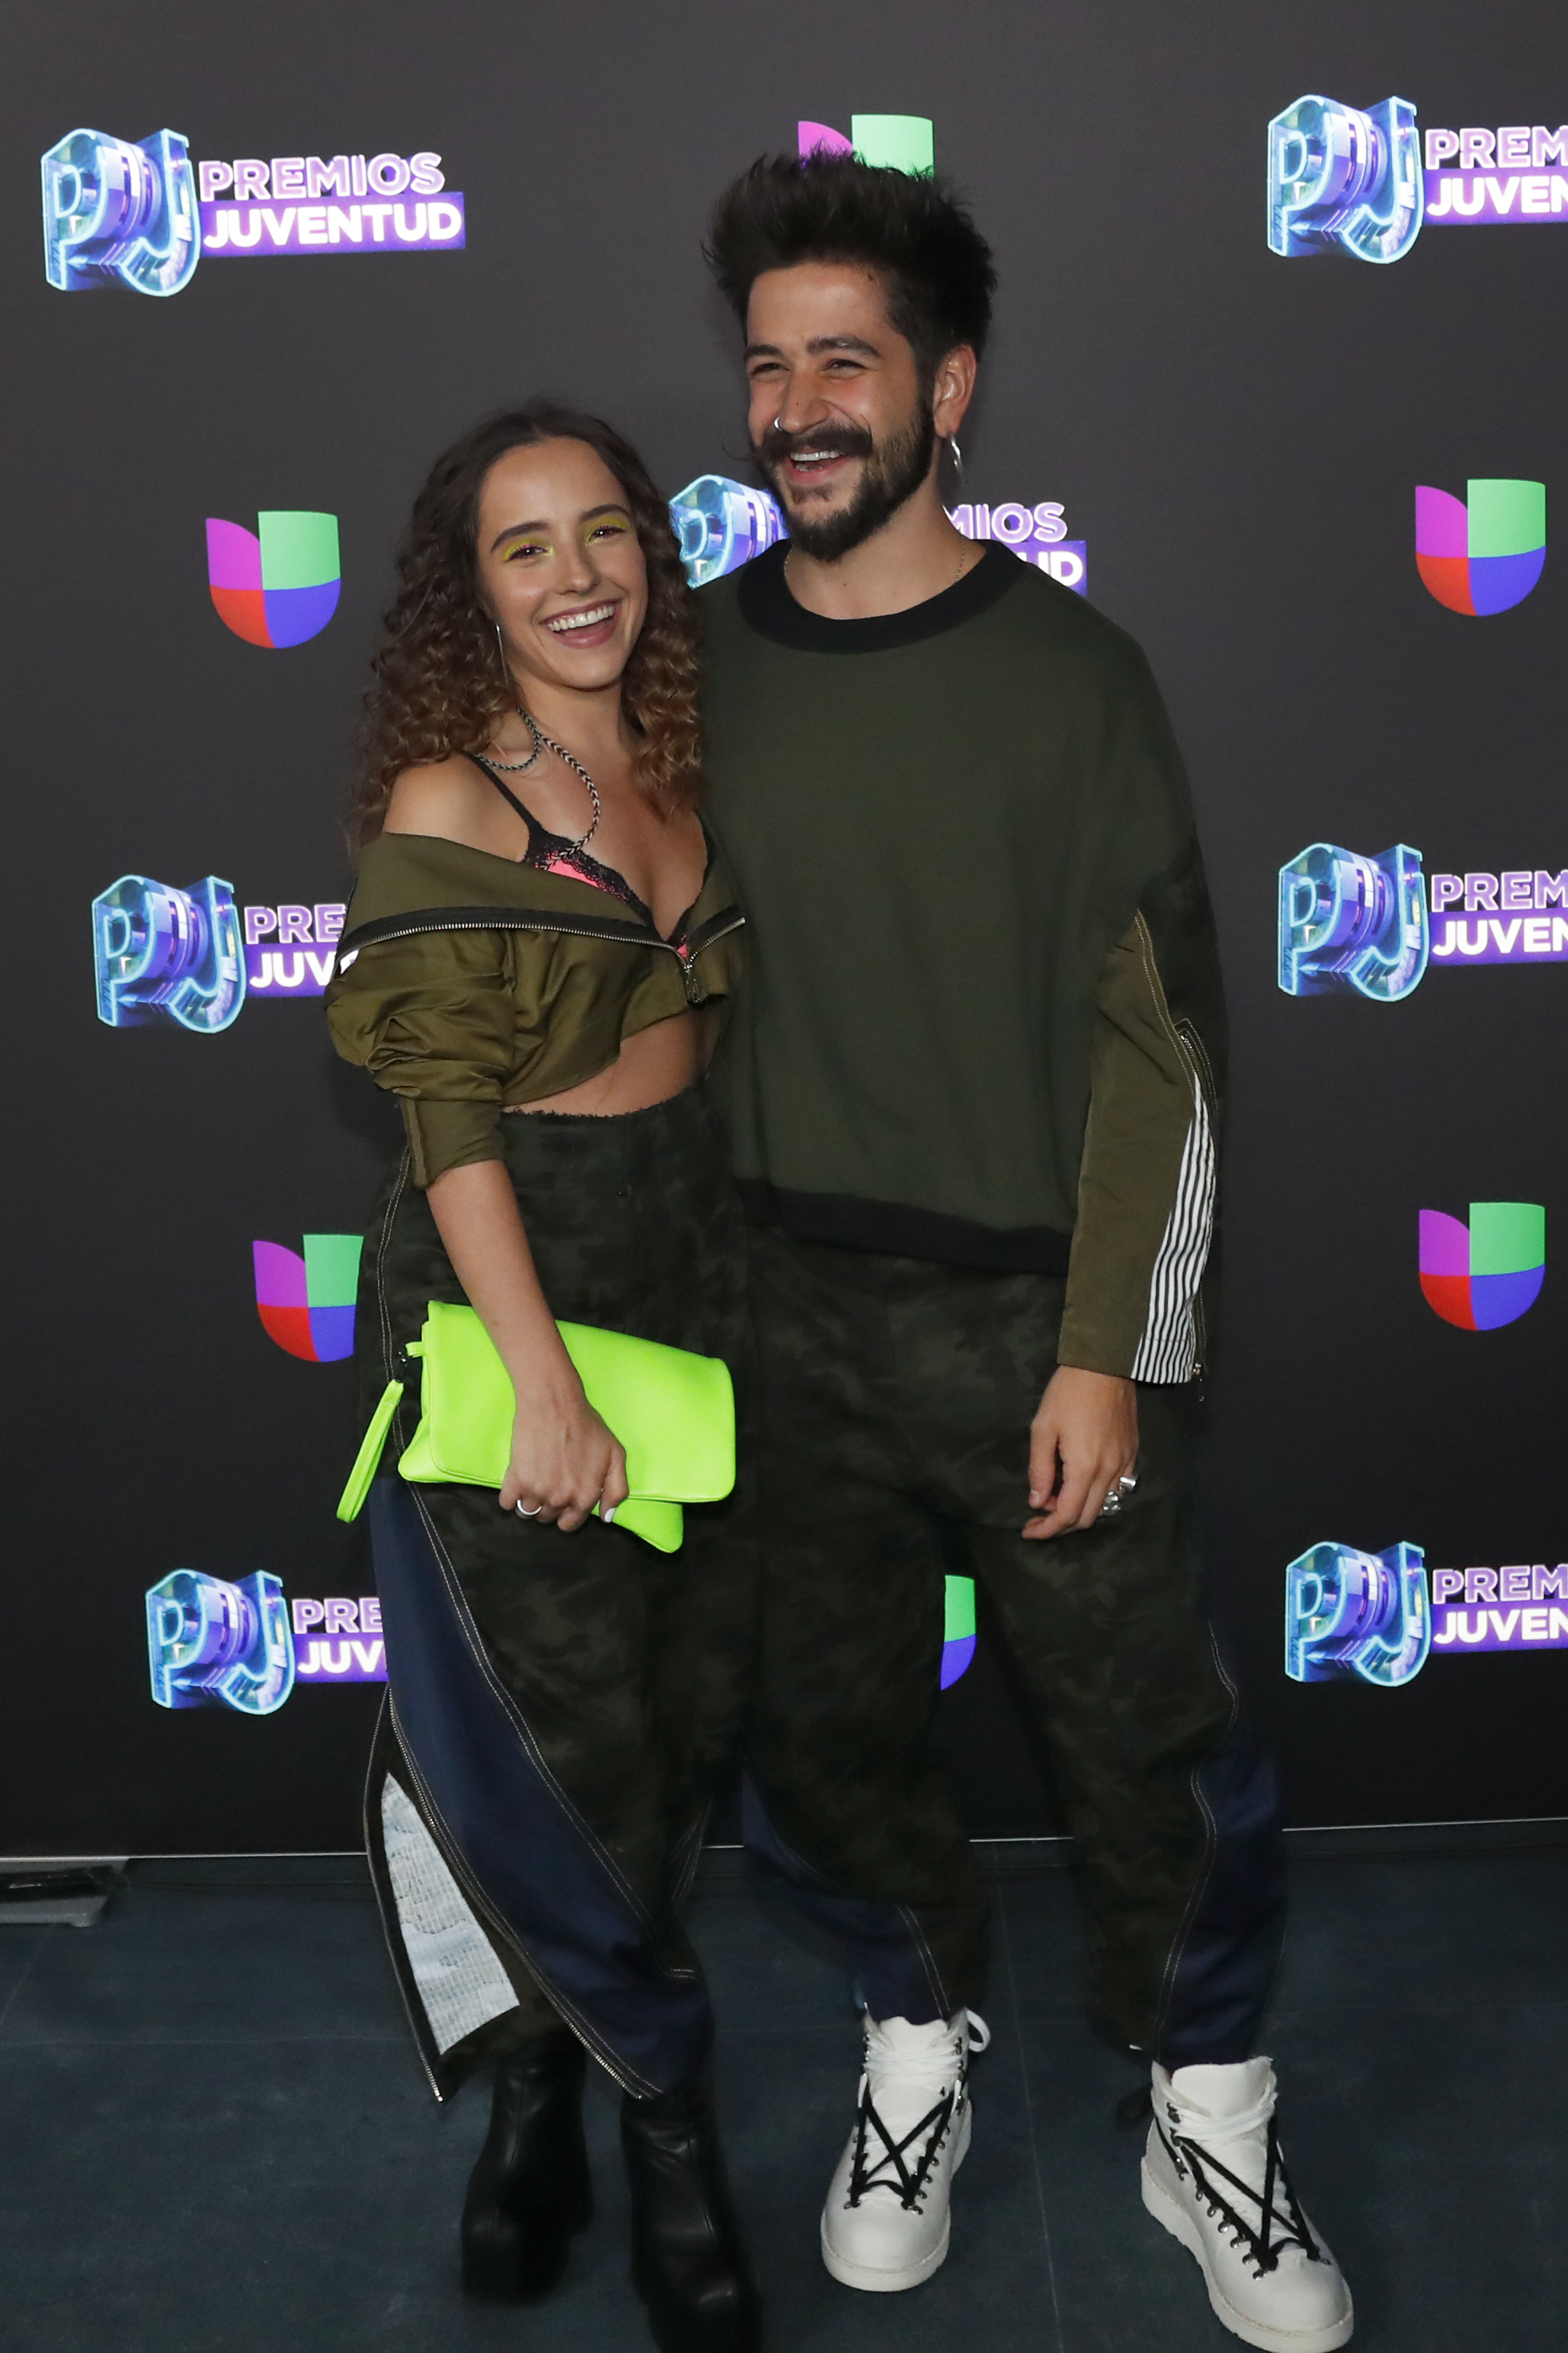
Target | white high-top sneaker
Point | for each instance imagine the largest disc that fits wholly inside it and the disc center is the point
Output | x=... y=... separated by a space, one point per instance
x=885 y=2225
x=1214 y=2175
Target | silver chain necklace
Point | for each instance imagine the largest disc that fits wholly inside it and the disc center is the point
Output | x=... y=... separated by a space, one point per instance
x=510 y=767
x=543 y=743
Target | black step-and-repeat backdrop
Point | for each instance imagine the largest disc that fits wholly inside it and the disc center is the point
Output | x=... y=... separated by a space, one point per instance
x=1278 y=382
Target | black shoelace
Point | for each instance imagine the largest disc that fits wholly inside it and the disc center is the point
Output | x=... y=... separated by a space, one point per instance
x=909 y=2186
x=1265 y=2243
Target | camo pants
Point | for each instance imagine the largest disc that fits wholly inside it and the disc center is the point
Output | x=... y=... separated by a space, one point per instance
x=560 y=1704
x=896 y=1399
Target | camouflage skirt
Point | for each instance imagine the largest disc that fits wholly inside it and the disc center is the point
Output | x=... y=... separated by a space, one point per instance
x=560 y=1706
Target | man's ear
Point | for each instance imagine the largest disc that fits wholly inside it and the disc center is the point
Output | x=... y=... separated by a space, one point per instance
x=953 y=389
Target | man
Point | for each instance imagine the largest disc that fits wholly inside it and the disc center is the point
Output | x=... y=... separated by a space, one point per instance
x=972 y=1101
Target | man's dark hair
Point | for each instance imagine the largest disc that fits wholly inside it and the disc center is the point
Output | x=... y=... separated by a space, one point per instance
x=911 y=230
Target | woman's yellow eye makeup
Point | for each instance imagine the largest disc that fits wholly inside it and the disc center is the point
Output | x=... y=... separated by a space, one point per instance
x=604 y=526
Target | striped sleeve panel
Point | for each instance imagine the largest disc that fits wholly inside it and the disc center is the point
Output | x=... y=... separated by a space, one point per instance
x=1168 y=1349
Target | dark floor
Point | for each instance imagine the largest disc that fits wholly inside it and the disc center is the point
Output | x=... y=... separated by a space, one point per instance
x=216 y=2136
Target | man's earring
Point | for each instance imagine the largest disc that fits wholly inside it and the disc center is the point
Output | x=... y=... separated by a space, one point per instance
x=957 y=457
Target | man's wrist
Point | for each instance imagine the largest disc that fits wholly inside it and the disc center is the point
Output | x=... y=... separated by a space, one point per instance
x=1100 y=1372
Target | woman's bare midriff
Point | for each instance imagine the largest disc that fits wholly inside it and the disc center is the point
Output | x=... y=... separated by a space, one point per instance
x=652 y=1066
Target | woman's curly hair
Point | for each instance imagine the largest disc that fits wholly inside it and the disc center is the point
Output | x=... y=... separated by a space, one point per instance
x=441 y=686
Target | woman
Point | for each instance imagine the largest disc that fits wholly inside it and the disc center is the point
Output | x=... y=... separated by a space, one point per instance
x=539 y=945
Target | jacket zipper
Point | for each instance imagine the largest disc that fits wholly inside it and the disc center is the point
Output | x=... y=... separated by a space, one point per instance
x=626 y=934
x=1195 y=1046
x=574 y=926
x=1188 y=1039
x=688 y=961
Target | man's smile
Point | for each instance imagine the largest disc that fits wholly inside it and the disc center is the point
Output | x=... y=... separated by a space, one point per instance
x=812 y=461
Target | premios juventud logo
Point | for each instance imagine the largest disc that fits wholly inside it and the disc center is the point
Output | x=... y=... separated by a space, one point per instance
x=140 y=215
x=1378 y=1618
x=242 y=1644
x=1363 y=182
x=1373 y=926
x=722 y=524
x=190 y=957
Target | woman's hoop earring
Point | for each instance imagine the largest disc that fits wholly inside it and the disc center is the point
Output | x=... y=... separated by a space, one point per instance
x=500 y=648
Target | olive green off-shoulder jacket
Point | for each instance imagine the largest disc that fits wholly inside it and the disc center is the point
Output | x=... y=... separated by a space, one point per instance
x=465 y=982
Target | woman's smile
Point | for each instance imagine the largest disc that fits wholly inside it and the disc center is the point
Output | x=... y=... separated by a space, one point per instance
x=589 y=625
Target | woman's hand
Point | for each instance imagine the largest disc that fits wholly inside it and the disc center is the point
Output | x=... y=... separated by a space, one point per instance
x=563 y=1458
x=1083 y=1438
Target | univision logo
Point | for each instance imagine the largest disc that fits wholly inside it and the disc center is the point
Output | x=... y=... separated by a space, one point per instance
x=1487 y=1273
x=899 y=142
x=276 y=586
x=958 y=1628
x=1483 y=553
x=307 y=1304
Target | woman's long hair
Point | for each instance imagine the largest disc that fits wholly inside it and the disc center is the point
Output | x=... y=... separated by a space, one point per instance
x=441 y=685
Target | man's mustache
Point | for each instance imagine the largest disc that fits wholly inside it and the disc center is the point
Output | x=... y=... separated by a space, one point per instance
x=833 y=440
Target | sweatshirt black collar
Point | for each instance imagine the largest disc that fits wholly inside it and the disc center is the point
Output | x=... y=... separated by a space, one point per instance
x=767 y=607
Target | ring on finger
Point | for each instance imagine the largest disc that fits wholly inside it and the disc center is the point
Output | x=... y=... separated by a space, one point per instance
x=524 y=1513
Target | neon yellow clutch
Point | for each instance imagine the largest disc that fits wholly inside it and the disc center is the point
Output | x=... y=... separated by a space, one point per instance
x=673 y=1412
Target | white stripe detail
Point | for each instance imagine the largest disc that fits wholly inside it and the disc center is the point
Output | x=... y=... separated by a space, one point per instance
x=460 y=1980
x=1168 y=1350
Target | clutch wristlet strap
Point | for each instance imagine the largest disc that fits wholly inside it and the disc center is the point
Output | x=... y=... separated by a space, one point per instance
x=367 y=1462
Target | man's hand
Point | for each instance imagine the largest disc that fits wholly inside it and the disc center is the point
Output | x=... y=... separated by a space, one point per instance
x=1083 y=1438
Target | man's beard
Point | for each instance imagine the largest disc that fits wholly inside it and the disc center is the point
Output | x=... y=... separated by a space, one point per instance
x=892 y=473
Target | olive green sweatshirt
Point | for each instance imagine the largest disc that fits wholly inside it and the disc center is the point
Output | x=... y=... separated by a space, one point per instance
x=983 y=1017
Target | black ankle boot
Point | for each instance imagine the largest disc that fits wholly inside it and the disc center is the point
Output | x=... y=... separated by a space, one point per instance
x=529 y=2190
x=688 y=2264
